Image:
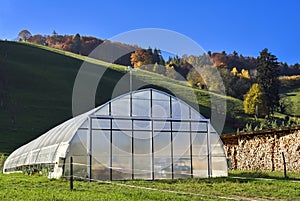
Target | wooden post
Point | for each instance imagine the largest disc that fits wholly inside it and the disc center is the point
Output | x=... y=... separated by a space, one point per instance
x=284 y=165
x=71 y=173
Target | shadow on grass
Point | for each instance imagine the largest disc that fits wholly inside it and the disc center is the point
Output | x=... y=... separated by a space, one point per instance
x=265 y=175
x=246 y=177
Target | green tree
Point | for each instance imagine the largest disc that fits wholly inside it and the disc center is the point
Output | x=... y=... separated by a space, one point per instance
x=253 y=101
x=54 y=33
x=157 y=57
x=24 y=35
x=267 y=78
x=76 y=44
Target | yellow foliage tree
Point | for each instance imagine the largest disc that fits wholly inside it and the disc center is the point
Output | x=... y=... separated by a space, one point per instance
x=245 y=74
x=253 y=102
x=234 y=71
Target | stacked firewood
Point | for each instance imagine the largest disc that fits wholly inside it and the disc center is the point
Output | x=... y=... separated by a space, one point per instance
x=264 y=152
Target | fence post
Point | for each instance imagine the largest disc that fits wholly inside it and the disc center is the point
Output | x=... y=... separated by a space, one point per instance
x=209 y=158
x=284 y=165
x=71 y=173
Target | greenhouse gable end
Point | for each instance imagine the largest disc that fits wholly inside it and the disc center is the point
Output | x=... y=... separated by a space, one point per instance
x=145 y=134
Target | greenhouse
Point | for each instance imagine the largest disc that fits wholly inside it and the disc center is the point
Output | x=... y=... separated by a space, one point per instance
x=145 y=134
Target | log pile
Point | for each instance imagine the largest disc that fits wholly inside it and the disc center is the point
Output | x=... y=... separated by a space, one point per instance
x=264 y=151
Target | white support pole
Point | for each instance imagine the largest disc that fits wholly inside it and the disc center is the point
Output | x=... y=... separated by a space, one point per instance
x=130 y=69
x=130 y=79
x=89 y=149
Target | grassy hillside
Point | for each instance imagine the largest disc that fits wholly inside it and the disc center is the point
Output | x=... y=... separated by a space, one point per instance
x=295 y=99
x=290 y=90
x=36 y=92
x=36 y=84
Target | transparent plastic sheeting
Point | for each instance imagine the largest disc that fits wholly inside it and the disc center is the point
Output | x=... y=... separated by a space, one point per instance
x=145 y=134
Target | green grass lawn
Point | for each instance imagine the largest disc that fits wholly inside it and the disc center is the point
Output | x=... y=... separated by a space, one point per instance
x=21 y=187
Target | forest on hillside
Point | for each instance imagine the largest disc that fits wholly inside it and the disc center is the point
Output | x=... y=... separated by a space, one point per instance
x=239 y=73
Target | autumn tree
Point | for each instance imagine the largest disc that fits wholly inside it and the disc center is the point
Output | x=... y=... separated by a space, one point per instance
x=140 y=57
x=38 y=39
x=24 y=35
x=245 y=74
x=267 y=78
x=195 y=79
x=212 y=82
x=234 y=71
x=253 y=103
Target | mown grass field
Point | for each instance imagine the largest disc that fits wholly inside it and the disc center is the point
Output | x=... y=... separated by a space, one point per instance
x=21 y=187
x=290 y=88
x=36 y=85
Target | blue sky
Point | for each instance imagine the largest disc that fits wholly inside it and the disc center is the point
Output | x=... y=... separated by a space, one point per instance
x=244 y=26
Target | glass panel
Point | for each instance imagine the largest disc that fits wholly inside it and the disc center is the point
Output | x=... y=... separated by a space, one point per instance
x=78 y=152
x=143 y=166
x=142 y=155
x=182 y=167
x=219 y=167
x=160 y=108
x=142 y=137
x=121 y=107
x=181 y=126
x=181 y=144
x=162 y=155
x=181 y=153
x=141 y=95
x=179 y=110
x=161 y=126
x=101 y=123
x=195 y=114
x=199 y=155
x=79 y=166
x=216 y=145
x=199 y=126
x=200 y=167
x=79 y=143
x=121 y=124
x=199 y=146
x=141 y=125
x=101 y=155
x=140 y=107
x=121 y=156
x=141 y=104
x=103 y=111
x=159 y=96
